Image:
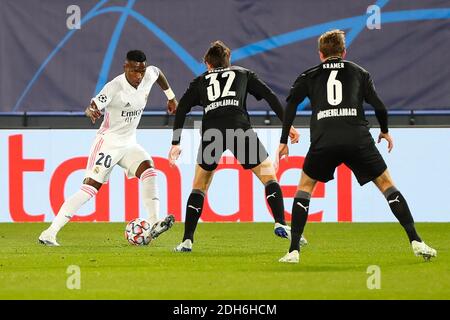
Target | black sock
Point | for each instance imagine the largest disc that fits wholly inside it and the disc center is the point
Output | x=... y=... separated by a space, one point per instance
x=400 y=209
x=300 y=209
x=274 y=198
x=194 y=209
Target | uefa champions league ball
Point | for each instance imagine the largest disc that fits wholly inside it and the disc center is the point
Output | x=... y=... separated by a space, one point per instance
x=137 y=232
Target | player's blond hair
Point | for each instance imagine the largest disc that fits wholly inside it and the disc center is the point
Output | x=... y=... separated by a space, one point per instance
x=332 y=43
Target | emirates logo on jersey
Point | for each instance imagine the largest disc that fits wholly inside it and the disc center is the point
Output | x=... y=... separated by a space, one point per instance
x=129 y=116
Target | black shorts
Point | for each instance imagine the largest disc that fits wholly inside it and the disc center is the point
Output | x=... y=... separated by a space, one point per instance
x=364 y=160
x=243 y=143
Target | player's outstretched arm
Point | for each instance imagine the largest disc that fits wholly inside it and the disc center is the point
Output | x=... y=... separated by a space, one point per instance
x=371 y=97
x=178 y=125
x=283 y=151
x=92 y=112
x=180 y=117
x=288 y=129
x=172 y=102
x=189 y=99
x=297 y=94
x=294 y=135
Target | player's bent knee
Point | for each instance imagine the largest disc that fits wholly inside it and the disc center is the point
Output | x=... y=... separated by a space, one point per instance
x=202 y=182
x=265 y=172
x=144 y=165
x=305 y=188
x=266 y=179
x=202 y=179
x=306 y=183
x=93 y=183
x=384 y=181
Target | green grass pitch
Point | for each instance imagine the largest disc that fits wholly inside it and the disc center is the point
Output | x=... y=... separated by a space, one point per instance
x=229 y=261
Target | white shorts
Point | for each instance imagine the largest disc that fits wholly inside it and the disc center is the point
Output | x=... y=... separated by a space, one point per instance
x=105 y=154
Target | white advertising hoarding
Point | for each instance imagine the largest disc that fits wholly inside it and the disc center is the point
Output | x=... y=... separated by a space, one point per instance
x=39 y=168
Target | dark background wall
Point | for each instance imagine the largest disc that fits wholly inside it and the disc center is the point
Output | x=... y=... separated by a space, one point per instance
x=44 y=66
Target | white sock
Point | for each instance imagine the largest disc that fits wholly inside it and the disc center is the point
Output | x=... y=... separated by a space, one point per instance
x=150 y=194
x=71 y=206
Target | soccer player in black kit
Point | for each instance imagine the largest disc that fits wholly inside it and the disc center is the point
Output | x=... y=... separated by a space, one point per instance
x=222 y=91
x=340 y=134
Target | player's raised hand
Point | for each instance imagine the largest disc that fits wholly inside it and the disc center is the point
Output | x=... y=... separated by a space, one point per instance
x=283 y=151
x=174 y=154
x=92 y=112
x=294 y=135
x=172 y=106
x=388 y=138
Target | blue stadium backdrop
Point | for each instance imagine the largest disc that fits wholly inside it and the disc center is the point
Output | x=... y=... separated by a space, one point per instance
x=45 y=66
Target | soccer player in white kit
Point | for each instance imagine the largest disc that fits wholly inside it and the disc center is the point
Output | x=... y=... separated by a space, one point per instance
x=122 y=101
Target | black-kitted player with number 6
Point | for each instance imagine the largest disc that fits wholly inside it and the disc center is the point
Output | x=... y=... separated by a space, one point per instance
x=340 y=134
x=222 y=92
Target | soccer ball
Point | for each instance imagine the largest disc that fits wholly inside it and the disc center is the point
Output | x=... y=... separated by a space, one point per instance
x=137 y=232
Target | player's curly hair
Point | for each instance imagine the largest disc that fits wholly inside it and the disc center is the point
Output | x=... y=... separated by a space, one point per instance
x=218 y=55
x=332 y=43
x=136 y=55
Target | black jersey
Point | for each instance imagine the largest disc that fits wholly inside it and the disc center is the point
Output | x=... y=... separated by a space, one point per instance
x=337 y=90
x=222 y=92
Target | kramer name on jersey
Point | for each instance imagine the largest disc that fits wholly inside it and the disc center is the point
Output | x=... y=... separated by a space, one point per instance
x=333 y=65
x=225 y=102
x=341 y=112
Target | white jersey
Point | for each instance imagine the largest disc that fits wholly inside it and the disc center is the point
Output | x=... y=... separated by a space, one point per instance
x=124 y=105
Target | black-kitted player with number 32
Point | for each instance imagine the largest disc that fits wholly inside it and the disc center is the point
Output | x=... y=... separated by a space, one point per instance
x=222 y=92
x=340 y=134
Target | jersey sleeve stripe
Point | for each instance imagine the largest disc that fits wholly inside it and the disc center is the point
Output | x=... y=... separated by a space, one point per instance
x=94 y=153
x=105 y=125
